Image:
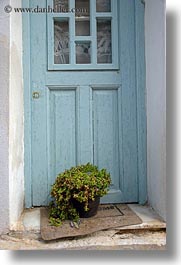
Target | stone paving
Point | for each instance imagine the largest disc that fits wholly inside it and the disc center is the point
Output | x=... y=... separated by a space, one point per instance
x=150 y=235
x=110 y=239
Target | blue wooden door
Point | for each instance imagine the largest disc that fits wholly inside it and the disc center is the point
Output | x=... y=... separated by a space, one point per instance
x=83 y=91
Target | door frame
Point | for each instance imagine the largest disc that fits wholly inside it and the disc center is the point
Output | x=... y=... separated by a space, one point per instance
x=140 y=73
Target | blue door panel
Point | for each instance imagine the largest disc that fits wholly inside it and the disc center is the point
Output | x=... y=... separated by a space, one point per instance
x=84 y=115
x=61 y=124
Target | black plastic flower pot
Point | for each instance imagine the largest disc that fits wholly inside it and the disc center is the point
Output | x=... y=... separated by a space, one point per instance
x=92 y=205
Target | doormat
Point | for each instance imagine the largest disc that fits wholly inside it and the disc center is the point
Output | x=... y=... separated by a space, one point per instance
x=108 y=216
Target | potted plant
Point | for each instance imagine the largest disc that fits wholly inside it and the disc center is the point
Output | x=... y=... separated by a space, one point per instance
x=76 y=193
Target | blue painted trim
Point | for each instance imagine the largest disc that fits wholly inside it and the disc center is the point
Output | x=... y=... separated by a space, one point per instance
x=141 y=100
x=27 y=106
x=128 y=102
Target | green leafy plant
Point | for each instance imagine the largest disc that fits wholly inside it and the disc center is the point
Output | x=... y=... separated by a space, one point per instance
x=82 y=183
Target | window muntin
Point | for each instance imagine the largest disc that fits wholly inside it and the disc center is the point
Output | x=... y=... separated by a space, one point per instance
x=83 y=39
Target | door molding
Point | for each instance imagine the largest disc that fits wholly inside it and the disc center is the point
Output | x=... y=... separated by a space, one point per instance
x=27 y=105
x=141 y=99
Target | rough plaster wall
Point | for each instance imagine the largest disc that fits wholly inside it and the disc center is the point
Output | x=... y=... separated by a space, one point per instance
x=4 y=117
x=156 y=103
x=16 y=128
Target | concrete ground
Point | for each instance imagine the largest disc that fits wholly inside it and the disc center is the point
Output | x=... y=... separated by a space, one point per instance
x=150 y=235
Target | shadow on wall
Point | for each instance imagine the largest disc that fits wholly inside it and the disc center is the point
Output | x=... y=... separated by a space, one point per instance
x=172 y=23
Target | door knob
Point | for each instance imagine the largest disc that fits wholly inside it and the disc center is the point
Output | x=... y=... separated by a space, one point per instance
x=36 y=95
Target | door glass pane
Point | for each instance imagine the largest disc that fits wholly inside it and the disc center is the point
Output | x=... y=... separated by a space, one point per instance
x=104 y=46
x=83 y=52
x=103 y=5
x=82 y=27
x=82 y=18
x=61 y=42
x=61 y=5
x=82 y=8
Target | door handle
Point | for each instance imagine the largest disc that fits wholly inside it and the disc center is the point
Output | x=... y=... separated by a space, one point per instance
x=36 y=95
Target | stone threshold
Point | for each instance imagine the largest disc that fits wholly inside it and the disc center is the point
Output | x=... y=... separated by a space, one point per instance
x=30 y=219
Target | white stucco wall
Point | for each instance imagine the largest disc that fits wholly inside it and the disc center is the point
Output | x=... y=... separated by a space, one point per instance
x=156 y=103
x=4 y=118
x=16 y=122
x=11 y=118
